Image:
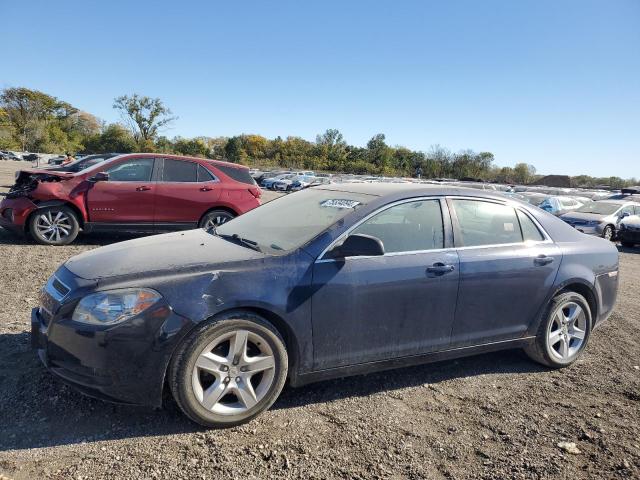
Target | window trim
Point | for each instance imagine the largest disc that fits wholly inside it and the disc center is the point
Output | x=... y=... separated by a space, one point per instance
x=450 y=226
x=446 y=225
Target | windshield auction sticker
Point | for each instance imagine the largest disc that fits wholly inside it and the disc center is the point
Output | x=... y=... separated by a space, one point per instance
x=339 y=203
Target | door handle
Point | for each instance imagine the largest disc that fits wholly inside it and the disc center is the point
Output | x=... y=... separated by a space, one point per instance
x=440 y=268
x=143 y=189
x=542 y=260
x=206 y=189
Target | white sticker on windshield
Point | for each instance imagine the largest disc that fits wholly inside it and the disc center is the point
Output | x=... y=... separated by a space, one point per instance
x=339 y=203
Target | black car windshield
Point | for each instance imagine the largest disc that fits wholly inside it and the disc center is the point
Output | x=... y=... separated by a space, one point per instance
x=600 y=208
x=291 y=221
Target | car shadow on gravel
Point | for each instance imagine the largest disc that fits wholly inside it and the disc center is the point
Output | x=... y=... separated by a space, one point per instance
x=40 y=411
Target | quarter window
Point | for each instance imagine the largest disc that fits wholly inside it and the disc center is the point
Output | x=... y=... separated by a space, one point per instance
x=529 y=230
x=407 y=227
x=486 y=223
x=179 y=171
x=133 y=170
x=204 y=175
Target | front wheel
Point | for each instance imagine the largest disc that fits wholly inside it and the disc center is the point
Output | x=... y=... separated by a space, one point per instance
x=229 y=370
x=608 y=233
x=54 y=225
x=563 y=332
x=215 y=218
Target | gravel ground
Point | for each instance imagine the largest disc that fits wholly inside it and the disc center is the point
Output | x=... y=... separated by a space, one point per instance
x=489 y=416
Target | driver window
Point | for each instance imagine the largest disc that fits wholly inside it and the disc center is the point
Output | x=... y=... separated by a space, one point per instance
x=408 y=227
x=133 y=170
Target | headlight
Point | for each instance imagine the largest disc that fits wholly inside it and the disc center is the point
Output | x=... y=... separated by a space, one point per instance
x=114 y=306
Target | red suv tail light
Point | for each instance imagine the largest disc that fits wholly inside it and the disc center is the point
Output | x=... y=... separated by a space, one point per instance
x=255 y=191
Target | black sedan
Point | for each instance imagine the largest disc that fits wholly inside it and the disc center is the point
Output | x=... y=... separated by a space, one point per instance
x=327 y=282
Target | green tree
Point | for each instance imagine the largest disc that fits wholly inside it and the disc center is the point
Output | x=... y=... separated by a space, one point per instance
x=144 y=116
x=113 y=139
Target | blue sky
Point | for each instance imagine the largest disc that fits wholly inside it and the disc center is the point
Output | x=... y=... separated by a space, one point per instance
x=555 y=83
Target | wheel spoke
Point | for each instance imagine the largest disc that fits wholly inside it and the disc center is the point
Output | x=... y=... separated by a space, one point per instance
x=45 y=219
x=576 y=332
x=259 y=363
x=555 y=337
x=210 y=362
x=213 y=394
x=238 y=346
x=564 y=348
x=574 y=312
x=245 y=393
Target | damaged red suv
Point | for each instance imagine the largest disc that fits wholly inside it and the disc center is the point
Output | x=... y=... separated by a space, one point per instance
x=132 y=192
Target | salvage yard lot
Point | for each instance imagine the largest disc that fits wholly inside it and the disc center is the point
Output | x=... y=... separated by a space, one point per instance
x=495 y=415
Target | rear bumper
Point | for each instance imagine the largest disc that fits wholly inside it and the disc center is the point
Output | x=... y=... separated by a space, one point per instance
x=14 y=212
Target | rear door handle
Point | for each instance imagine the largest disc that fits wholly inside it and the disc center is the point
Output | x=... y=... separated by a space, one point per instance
x=542 y=260
x=144 y=188
x=440 y=268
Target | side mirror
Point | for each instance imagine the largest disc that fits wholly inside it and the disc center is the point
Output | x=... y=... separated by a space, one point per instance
x=358 y=245
x=100 y=177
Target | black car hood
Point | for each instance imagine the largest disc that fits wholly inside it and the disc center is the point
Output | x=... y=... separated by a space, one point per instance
x=157 y=254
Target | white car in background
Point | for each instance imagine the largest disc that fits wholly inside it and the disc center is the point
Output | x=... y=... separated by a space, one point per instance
x=269 y=182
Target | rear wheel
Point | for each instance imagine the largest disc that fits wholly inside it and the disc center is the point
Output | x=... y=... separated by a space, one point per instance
x=54 y=225
x=229 y=370
x=215 y=218
x=563 y=332
x=608 y=233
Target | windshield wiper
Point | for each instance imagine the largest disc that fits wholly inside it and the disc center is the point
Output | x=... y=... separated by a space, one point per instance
x=245 y=242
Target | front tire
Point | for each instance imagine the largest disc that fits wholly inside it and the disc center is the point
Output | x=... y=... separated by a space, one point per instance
x=563 y=333
x=608 y=233
x=229 y=370
x=54 y=225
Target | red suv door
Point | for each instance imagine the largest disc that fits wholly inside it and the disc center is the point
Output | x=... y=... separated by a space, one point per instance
x=127 y=197
x=185 y=191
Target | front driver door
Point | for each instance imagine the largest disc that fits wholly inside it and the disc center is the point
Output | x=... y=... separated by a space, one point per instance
x=127 y=197
x=402 y=303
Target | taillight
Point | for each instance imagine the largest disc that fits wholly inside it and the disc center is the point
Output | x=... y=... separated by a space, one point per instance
x=255 y=191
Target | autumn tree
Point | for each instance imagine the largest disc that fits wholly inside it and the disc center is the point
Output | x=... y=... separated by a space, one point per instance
x=144 y=116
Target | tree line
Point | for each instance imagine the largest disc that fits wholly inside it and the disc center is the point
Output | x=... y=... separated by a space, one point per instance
x=37 y=122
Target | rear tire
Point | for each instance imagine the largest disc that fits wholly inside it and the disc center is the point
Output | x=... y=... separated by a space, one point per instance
x=54 y=225
x=563 y=332
x=215 y=218
x=229 y=370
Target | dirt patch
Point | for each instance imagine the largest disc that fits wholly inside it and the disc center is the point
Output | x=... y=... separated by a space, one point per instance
x=490 y=416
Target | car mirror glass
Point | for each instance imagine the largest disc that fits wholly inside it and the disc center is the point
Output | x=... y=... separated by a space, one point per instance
x=358 y=245
x=100 y=177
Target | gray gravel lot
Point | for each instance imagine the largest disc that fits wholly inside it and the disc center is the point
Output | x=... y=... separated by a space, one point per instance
x=489 y=416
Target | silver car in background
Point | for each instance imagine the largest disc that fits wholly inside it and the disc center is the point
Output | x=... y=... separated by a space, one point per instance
x=601 y=218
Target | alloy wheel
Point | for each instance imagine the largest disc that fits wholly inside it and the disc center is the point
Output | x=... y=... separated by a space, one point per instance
x=608 y=233
x=54 y=226
x=567 y=331
x=233 y=373
x=216 y=220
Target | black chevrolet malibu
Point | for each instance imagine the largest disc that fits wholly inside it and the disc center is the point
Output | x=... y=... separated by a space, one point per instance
x=327 y=282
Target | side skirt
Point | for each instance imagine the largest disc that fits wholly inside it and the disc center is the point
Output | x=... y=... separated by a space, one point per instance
x=137 y=227
x=372 y=367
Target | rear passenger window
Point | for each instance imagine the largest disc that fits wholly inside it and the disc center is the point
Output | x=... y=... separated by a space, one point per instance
x=179 y=171
x=529 y=230
x=486 y=223
x=407 y=227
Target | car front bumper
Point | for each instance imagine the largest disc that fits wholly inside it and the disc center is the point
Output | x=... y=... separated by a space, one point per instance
x=123 y=363
x=14 y=212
